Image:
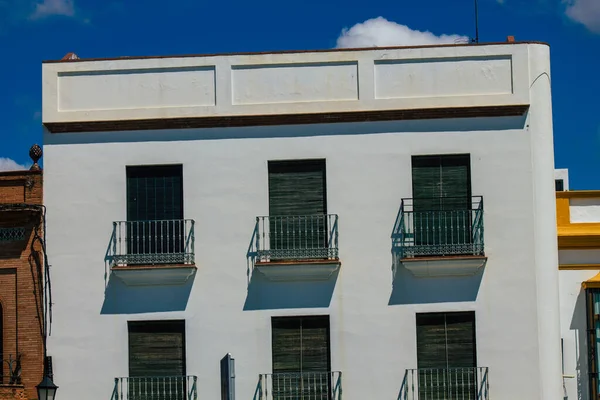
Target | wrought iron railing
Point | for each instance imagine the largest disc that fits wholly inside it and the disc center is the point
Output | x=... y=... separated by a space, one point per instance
x=152 y=242
x=299 y=386
x=445 y=384
x=299 y=237
x=156 y=388
x=438 y=227
x=10 y=370
x=12 y=234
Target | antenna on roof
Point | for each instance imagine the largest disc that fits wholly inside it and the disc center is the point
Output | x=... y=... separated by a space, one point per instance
x=476 y=39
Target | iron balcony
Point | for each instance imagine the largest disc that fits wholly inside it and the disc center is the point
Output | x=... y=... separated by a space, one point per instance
x=439 y=227
x=299 y=237
x=152 y=242
x=156 y=388
x=470 y=383
x=299 y=386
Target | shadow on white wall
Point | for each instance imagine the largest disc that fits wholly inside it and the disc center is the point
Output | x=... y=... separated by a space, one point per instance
x=408 y=289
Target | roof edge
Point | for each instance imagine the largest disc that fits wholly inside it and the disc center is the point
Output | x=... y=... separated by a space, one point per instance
x=293 y=51
x=23 y=172
x=575 y=194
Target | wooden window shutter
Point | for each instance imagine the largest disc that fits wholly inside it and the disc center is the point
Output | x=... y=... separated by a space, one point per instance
x=439 y=182
x=301 y=344
x=154 y=193
x=297 y=187
x=157 y=348
x=286 y=344
x=446 y=340
x=446 y=355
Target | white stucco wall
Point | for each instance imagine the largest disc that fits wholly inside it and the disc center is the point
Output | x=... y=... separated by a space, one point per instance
x=563 y=174
x=585 y=210
x=573 y=331
x=373 y=333
x=573 y=302
x=268 y=84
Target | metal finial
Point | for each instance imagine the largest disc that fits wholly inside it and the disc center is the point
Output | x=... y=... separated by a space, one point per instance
x=35 y=152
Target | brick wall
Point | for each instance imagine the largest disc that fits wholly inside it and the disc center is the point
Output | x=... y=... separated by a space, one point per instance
x=20 y=291
x=13 y=392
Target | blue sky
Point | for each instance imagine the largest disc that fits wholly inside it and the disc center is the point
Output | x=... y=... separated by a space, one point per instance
x=36 y=30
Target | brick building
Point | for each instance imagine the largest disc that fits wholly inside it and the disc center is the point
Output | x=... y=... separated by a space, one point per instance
x=21 y=292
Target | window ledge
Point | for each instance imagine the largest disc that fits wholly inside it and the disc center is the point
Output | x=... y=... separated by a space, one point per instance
x=301 y=270
x=444 y=266
x=147 y=275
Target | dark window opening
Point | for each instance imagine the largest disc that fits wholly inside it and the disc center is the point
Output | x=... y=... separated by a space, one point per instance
x=298 y=224
x=1 y=346
x=301 y=357
x=442 y=203
x=156 y=360
x=593 y=340
x=446 y=355
x=559 y=185
x=155 y=210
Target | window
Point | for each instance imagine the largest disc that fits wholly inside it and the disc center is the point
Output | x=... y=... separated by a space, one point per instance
x=446 y=355
x=155 y=210
x=442 y=203
x=593 y=325
x=297 y=209
x=559 y=185
x=156 y=360
x=1 y=346
x=297 y=187
x=301 y=357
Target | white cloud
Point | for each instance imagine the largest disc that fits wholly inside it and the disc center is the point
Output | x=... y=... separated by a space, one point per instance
x=586 y=12
x=53 y=7
x=7 y=164
x=379 y=32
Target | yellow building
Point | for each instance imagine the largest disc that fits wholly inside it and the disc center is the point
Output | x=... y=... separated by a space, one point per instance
x=578 y=223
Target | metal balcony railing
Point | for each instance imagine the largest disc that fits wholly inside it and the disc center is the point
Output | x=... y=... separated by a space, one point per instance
x=300 y=237
x=445 y=384
x=156 y=388
x=152 y=242
x=10 y=370
x=299 y=386
x=439 y=227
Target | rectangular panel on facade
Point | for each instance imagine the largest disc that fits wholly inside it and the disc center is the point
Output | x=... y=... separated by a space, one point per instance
x=435 y=77
x=136 y=88
x=294 y=83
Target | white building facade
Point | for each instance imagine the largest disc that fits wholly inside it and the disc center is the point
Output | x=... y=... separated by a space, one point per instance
x=578 y=221
x=377 y=223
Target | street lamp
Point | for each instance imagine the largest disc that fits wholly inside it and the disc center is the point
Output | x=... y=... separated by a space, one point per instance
x=46 y=388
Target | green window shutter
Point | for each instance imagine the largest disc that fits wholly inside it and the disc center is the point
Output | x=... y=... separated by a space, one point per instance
x=441 y=181
x=157 y=348
x=301 y=361
x=441 y=200
x=455 y=182
x=445 y=342
x=154 y=193
x=431 y=341
x=286 y=344
x=300 y=344
x=297 y=190
x=315 y=344
x=154 y=209
x=297 y=187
